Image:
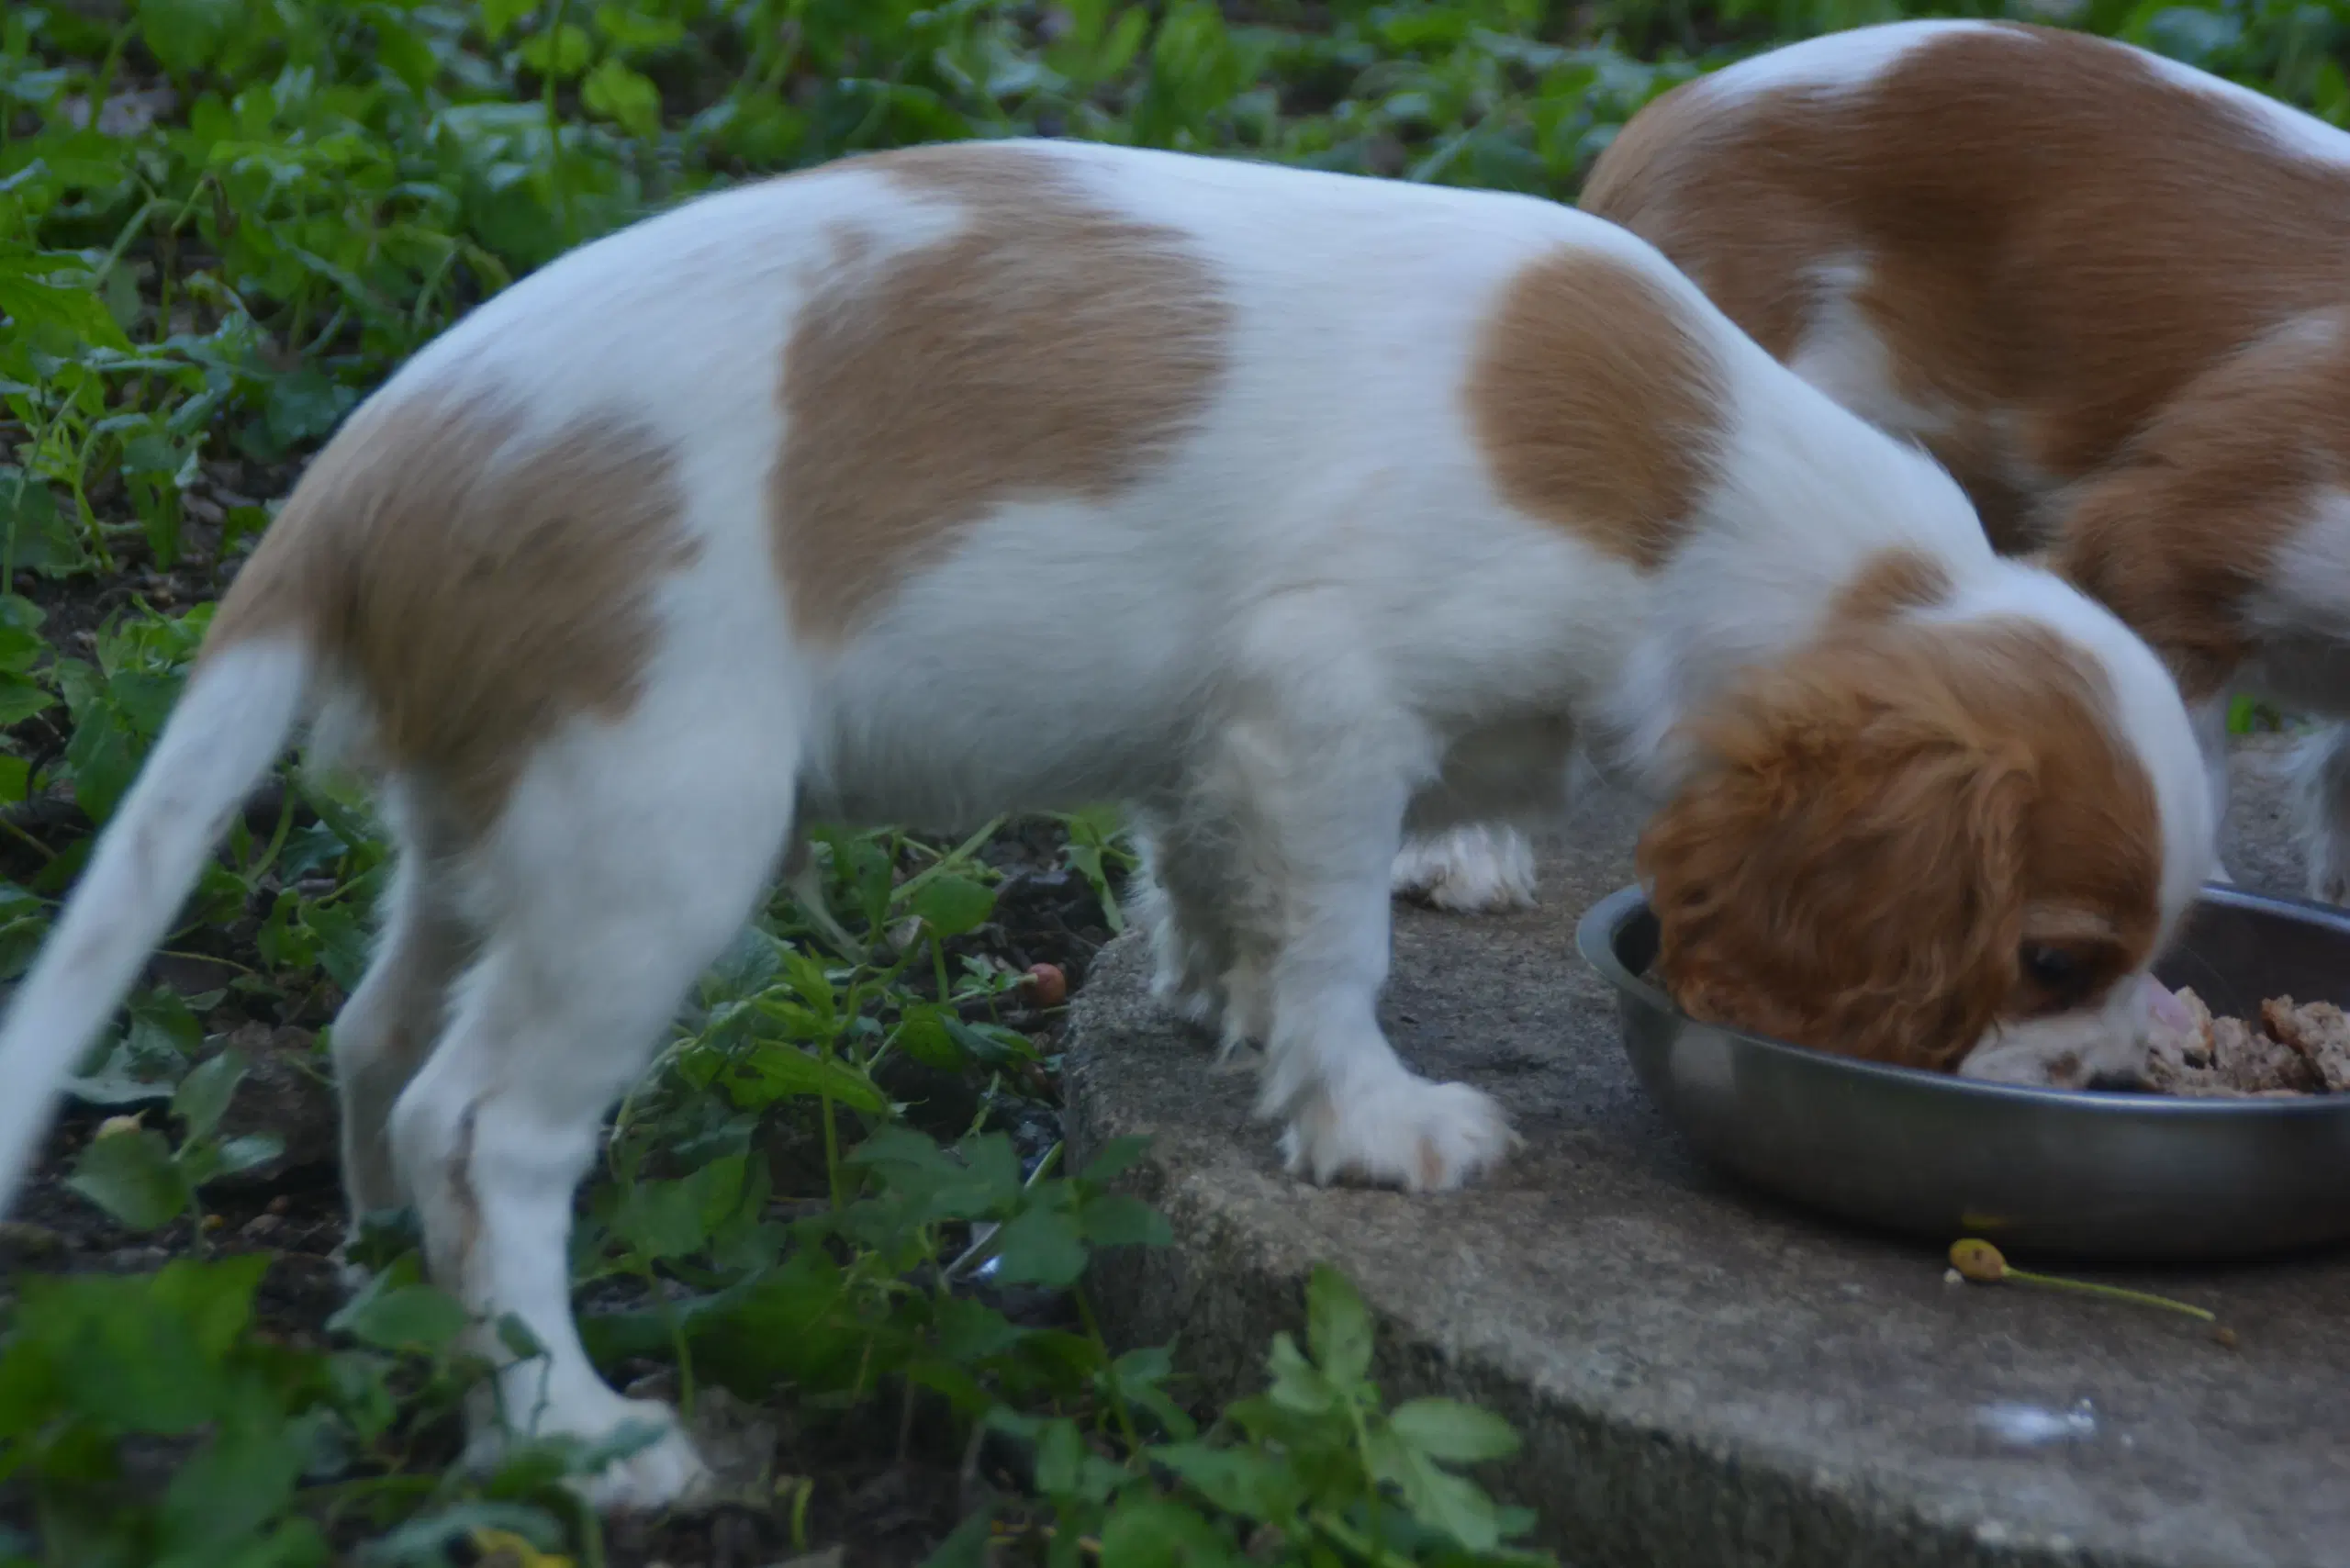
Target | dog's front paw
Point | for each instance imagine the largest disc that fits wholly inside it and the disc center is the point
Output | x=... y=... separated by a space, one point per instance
x=1407 y=1133
x=1470 y=871
x=667 y=1472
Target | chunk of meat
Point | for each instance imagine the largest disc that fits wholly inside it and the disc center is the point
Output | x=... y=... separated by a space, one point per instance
x=2196 y=1055
x=2319 y=1031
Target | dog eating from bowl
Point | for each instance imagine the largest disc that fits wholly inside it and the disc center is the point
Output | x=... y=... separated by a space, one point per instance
x=1358 y=506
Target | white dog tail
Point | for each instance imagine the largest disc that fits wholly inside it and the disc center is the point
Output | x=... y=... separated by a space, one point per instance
x=239 y=706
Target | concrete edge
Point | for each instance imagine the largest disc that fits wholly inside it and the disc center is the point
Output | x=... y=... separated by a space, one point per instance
x=1610 y=1490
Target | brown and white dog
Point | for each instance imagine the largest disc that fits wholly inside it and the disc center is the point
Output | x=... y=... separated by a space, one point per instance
x=2110 y=292
x=1355 y=505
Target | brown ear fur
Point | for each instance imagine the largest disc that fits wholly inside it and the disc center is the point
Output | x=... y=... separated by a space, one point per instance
x=1846 y=870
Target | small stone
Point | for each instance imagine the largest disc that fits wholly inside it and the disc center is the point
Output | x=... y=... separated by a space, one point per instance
x=280 y=1203
x=261 y=1225
x=213 y=1222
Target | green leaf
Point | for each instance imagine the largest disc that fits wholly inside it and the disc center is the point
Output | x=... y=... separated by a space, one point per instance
x=1255 y=1483
x=103 y=761
x=163 y=1025
x=971 y=1331
x=562 y=53
x=1040 y=1246
x=20 y=698
x=952 y=905
x=1067 y=1469
x=662 y=1219
x=1060 y=1458
x=186 y=35
x=980 y=1181
x=51 y=292
x=637 y=27
x=1451 y=1430
x=619 y=94
x=926 y=1031
x=1298 y=1385
x=1437 y=1498
x=127 y=1076
x=304 y=405
x=1337 y=1327
x=518 y=1339
x=245 y=1152
x=401 y=1317
x=1115 y=1158
x=408 y=55
x=132 y=1177
x=205 y=1093
x=133 y=1353
x=39 y=536
x=1116 y=1219
x=1144 y=1531
x=499 y=17
x=342 y=943
x=225 y=1495
x=777 y=1071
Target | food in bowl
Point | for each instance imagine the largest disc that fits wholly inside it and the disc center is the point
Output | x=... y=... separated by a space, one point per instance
x=2295 y=1049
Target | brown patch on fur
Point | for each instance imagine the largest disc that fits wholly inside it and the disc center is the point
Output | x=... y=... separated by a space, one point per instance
x=1597 y=406
x=1874 y=823
x=2059 y=240
x=2180 y=534
x=479 y=586
x=1890 y=582
x=1049 y=348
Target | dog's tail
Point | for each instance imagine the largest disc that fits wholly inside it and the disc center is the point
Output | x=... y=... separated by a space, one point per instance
x=236 y=715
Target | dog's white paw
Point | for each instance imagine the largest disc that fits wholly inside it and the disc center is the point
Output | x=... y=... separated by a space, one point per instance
x=1469 y=871
x=1187 y=998
x=667 y=1473
x=1407 y=1133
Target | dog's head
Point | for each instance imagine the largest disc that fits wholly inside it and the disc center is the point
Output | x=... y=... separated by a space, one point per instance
x=1948 y=841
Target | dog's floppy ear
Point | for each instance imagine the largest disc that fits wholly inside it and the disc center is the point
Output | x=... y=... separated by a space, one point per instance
x=1844 y=867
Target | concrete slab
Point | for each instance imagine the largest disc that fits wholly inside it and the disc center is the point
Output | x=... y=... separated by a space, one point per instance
x=1703 y=1376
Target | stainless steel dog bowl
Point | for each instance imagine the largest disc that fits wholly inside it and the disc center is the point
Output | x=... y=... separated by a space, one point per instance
x=2119 y=1177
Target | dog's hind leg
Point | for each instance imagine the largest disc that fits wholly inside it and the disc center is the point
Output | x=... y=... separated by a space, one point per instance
x=619 y=873
x=385 y=1031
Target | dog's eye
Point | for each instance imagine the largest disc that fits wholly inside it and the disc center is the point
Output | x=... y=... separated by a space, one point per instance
x=2053 y=968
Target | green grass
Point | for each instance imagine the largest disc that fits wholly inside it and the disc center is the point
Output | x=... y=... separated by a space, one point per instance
x=221 y=222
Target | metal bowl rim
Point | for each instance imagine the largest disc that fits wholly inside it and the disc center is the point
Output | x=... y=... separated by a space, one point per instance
x=1595 y=940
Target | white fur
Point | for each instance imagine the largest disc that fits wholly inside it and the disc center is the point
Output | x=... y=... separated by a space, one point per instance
x=1845 y=58
x=1312 y=624
x=1856 y=57
x=1472 y=868
x=228 y=726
